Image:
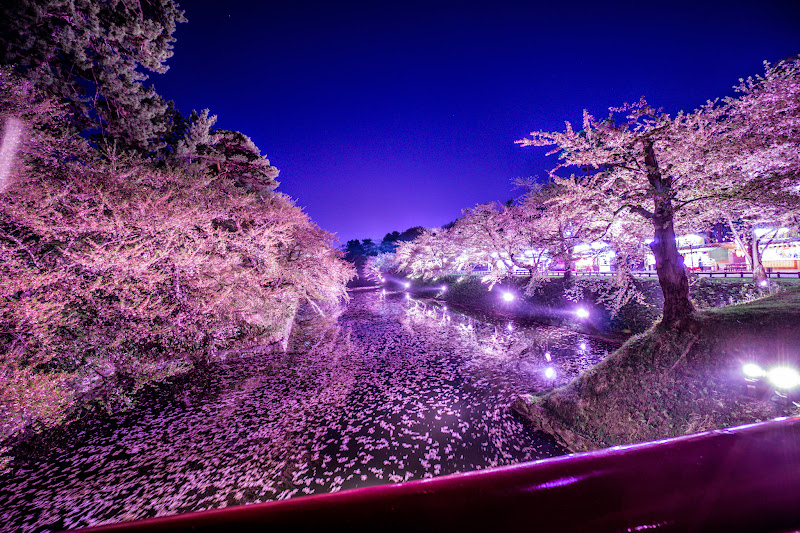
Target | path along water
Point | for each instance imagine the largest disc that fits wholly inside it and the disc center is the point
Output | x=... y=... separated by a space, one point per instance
x=397 y=390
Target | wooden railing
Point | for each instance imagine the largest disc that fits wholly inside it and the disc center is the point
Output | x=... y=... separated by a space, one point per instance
x=740 y=479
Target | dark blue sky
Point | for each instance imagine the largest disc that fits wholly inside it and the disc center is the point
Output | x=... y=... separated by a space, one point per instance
x=384 y=115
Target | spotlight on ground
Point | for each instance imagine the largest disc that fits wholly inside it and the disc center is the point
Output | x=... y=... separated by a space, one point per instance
x=508 y=297
x=550 y=372
x=783 y=377
x=582 y=313
x=753 y=371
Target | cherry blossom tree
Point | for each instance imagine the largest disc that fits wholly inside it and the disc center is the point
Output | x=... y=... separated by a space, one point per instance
x=760 y=136
x=640 y=161
x=115 y=275
x=755 y=145
x=432 y=253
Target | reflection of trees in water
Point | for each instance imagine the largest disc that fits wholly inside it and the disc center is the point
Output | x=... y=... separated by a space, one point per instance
x=521 y=353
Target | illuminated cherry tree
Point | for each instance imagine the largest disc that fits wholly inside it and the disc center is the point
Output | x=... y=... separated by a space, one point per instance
x=639 y=161
x=431 y=254
x=114 y=275
x=755 y=145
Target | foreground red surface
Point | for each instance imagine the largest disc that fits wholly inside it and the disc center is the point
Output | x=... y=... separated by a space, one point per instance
x=739 y=479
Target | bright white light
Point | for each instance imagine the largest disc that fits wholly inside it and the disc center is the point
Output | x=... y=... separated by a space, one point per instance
x=582 y=313
x=547 y=355
x=784 y=377
x=583 y=346
x=383 y=291
x=408 y=296
x=507 y=296
x=549 y=372
x=510 y=327
x=763 y=283
x=407 y=284
x=752 y=370
x=444 y=288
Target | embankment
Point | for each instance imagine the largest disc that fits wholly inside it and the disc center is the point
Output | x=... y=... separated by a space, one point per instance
x=669 y=382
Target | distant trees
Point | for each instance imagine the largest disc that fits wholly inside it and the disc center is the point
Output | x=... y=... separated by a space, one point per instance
x=357 y=251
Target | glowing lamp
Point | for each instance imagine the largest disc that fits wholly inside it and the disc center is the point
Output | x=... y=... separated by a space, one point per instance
x=444 y=288
x=582 y=313
x=783 y=377
x=508 y=297
x=752 y=370
x=549 y=372
x=407 y=284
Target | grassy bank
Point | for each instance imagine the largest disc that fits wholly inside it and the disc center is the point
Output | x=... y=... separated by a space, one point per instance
x=670 y=382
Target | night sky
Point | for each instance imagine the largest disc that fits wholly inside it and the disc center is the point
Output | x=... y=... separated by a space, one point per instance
x=386 y=115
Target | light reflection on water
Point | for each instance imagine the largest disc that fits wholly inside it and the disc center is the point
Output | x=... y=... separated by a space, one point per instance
x=532 y=351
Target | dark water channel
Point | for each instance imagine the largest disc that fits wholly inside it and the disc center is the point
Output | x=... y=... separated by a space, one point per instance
x=397 y=390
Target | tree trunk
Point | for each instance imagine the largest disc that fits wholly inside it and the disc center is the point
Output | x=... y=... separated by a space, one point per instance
x=759 y=273
x=568 y=264
x=287 y=327
x=669 y=263
x=740 y=242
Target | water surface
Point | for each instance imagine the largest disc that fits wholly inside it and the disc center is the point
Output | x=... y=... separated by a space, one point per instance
x=396 y=390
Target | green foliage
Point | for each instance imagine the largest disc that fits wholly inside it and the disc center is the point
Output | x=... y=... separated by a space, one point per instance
x=224 y=152
x=94 y=55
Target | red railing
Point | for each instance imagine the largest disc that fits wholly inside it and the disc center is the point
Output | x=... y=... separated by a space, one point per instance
x=739 y=479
